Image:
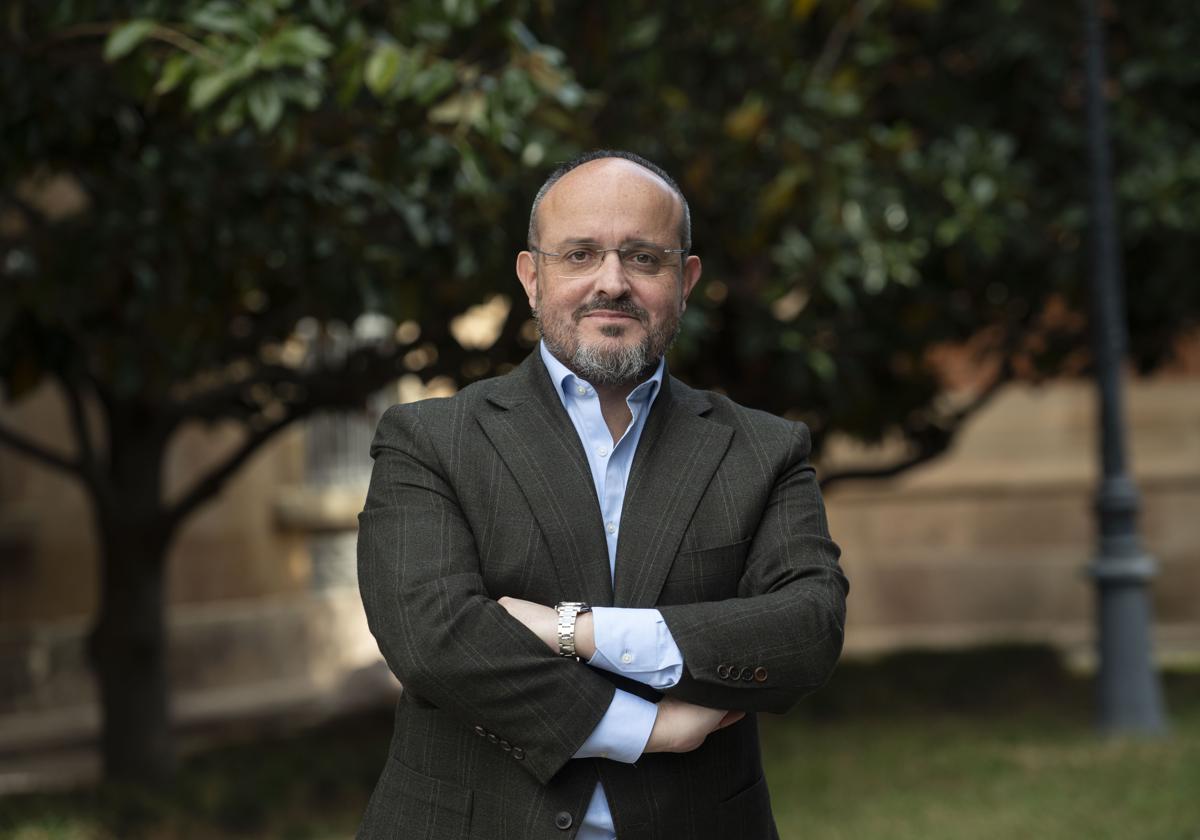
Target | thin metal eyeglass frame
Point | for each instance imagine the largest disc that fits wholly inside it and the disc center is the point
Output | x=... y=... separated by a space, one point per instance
x=620 y=257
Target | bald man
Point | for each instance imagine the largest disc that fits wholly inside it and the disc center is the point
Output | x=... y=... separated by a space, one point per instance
x=588 y=576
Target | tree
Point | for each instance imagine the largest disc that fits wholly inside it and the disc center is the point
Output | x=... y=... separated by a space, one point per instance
x=870 y=180
x=231 y=168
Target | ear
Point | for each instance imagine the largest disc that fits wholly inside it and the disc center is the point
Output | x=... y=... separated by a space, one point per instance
x=691 y=275
x=527 y=274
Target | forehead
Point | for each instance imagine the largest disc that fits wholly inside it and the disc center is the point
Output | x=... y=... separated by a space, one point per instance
x=610 y=200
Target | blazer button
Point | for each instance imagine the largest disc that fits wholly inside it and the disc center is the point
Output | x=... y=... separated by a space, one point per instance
x=504 y=745
x=518 y=753
x=480 y=731
x=760 y=674
x=562 y=820
x=723 y=671
x=747 y=674
x=491 y=737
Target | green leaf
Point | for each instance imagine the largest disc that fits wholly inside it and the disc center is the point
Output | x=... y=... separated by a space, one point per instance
x=382 y=67
x=310 y=41
x=822 y=364
x=233 y=116
x=122 y=40
x=207 y=89
x=174 y=70
x=266 y=107
x=642 y=33
x=222 y=17
x=432 y=81
x=327 y=12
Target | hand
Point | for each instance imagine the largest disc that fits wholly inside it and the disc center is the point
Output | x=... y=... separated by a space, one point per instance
x=681 y=727
x=543 y=621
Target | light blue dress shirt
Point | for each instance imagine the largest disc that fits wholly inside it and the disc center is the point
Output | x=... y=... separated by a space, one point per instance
x=632 y=642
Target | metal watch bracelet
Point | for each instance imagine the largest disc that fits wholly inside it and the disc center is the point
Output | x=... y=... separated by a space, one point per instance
x=568 y=612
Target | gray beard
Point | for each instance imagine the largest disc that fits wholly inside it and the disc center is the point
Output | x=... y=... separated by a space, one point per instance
x=611 y=367
x=622 y=365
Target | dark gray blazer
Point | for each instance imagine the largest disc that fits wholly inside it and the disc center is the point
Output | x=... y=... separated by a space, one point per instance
x=489 y=494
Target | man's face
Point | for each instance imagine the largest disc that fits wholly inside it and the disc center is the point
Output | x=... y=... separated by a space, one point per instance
x=607 y=326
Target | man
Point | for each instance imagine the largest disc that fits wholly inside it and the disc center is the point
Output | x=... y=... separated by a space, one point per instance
x=547 y=554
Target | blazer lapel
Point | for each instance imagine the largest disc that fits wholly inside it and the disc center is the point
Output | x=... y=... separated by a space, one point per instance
x=534 y=437
x=676 y=457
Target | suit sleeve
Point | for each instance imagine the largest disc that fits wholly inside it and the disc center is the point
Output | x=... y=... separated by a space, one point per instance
x=442 y=635
x=781 y=637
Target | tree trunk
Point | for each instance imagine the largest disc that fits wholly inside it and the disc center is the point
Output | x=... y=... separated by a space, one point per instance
x=128 y=654
x=129 y=639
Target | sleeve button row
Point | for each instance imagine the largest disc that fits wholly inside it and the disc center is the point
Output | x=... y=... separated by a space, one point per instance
x=732 y=672
x=515 y=752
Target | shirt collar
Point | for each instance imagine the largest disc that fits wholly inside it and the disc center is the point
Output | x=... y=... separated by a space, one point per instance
x=564 y=378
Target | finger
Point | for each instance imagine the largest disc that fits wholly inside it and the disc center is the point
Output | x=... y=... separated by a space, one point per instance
x=730 y=718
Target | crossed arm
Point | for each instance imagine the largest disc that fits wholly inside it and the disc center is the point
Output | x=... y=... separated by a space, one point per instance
x=679 y=726
x=788 y=616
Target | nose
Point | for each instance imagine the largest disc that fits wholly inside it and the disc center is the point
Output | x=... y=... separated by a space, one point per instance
x=610 y=277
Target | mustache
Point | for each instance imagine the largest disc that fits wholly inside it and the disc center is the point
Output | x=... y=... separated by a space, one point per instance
x=623 y=305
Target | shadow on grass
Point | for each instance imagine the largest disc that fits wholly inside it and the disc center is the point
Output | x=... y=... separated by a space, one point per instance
x=309 y=784
x=983 y=681
x=1000 y=680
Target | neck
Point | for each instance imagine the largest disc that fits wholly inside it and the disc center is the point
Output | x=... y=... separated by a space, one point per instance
x=614 y=406
x=613 y=396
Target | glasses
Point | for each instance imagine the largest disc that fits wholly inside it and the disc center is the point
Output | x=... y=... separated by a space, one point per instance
x=636 y=260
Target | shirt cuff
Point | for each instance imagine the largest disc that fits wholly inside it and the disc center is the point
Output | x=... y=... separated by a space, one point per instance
x=622 y=733
x=638 y=644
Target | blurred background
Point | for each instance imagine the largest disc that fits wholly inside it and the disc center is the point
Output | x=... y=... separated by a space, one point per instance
x=233 y=233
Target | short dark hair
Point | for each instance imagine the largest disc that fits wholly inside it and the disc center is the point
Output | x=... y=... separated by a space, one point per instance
x=685 y=226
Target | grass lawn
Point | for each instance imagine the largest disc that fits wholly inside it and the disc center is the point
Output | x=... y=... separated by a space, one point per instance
x=1005 y=763
x=988 y=744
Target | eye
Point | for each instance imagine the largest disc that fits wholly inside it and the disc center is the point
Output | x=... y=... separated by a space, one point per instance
x=579 y=256
x=643 y=259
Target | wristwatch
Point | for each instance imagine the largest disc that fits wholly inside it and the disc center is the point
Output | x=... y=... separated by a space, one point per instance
x=568 y=611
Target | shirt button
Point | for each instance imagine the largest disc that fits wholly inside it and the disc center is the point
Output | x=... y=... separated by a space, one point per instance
x=626 y=657
x=580 y=390
x=612 y=528
x=601 y=451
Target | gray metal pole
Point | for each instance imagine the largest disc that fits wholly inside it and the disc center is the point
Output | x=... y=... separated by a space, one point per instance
x=1130 y=700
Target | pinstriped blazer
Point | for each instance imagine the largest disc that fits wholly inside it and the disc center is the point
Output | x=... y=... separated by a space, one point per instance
x=487 y=494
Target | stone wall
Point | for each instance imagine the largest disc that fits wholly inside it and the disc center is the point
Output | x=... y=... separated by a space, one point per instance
x=992 y=542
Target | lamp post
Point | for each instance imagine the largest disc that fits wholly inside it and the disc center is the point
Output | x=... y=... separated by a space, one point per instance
x=1130 y=700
